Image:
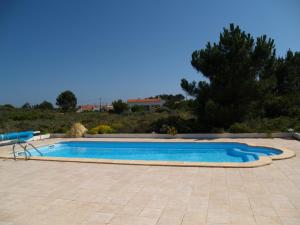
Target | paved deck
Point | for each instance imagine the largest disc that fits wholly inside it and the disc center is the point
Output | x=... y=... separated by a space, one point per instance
x=54 y=193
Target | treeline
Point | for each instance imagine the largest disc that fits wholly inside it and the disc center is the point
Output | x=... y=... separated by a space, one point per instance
x=65 y=101
x=122 y=119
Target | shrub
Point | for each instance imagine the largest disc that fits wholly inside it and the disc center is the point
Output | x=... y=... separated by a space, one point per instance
x=162 y=109
x=117 y=126
x=218 y=130
x=240 y=128
x=119 y=106
x=171 y=131
x=77 y=130
x=297 y=128
x=93 y=130
x=182 y=125
x=101 y=129
x=137 y=108
x=45 y=105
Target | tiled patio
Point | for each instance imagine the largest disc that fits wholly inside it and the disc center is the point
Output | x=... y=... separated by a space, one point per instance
x=55 y=193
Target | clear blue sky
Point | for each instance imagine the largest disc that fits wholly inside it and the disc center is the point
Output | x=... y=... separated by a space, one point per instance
x=122 y=49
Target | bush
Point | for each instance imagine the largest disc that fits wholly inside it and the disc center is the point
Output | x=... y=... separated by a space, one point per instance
x=119 y=106
x=171 y=131
x=240 y=128
x=45 y=105
x=182 y=125
x=116 y=126
x=218 y=130
x=101 y=129
x=138 y=108
x=77 y=130
x=165 y=129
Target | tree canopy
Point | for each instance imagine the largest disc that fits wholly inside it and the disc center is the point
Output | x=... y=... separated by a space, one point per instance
x=66 y=101
x=119 y=106
x=26 y=106
x=245 y=80
x=172 y=101
x=45 y=105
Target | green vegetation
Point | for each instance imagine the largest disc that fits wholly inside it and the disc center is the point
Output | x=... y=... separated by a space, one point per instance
x=66 y=101
x=101 y=129
x=172 y=101
x=54 y=121
x=120 y=106
x=247 y=83
x=45 y=105
x=171 y=131
x=26 y=106
x=137 y=108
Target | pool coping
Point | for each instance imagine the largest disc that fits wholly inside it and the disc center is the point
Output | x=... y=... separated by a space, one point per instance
x=262 y=161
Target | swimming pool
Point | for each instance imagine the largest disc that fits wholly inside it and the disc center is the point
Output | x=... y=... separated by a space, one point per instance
x=158 y=151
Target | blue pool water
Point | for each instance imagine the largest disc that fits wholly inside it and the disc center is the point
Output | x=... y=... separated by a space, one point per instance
x=187 y=152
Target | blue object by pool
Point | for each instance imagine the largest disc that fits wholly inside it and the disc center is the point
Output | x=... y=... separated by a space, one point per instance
x=158 y=151
x=21 y=136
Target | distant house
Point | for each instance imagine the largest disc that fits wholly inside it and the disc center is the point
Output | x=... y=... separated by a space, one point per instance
x=107 y=108
x=87 y=108
x=148 y=103
x=92 y=108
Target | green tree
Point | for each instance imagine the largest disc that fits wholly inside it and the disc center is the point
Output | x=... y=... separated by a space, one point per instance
x=26 y=106
x=119 y=106
x=233 y=66
x=172 y=101
x=66 y=101
x=288 y=74
x=45 y=105
x=9 y=106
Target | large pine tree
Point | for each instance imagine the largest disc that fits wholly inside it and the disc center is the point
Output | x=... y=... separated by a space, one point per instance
x=234 y=67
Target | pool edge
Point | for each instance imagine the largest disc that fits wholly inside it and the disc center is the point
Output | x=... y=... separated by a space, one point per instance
x=262 y=161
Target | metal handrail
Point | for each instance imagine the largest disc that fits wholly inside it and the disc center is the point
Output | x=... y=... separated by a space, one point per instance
x=38 y=151
x=25 y=150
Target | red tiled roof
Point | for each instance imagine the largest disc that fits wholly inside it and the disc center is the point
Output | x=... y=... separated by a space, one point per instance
x=87 y=107
x=146 y=100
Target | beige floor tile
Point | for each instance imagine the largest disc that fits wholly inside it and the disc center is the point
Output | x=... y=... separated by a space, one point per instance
x=264 y=220
x=98 y=218
x=132 y=211
x=122 y=220
x=218 y=218
x=172 y=213
x=111 y=208
x=290 y=220
x=145 y=221
x=282 y=204
x=213 y=223
x=151 y=212
x=288 y=212
x=196 y=216
x=242 y=220
x=192 y=222
x=264 y=211
x=169 y=221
